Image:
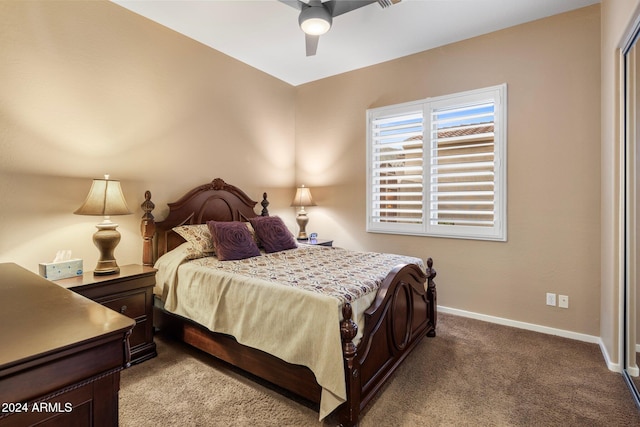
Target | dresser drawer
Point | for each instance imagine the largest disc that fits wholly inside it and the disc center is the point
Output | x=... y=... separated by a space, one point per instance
x=138 y=334
x=132 y=305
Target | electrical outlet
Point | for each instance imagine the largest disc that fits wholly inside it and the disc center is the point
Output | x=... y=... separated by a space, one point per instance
x=551 y=299
x=563 y=301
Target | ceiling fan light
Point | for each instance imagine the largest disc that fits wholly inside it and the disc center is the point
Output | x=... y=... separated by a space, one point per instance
x=315 y=20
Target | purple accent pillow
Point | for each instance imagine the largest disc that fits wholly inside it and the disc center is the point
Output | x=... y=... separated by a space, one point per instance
x=232 y=240
x=273 y=234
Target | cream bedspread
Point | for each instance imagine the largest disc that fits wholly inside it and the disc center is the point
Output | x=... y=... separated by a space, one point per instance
x=287 y=303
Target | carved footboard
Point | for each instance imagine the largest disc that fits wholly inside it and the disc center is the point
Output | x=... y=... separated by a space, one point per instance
x=401 y=315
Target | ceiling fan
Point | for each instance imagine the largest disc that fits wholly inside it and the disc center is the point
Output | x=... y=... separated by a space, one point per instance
x=316 y=16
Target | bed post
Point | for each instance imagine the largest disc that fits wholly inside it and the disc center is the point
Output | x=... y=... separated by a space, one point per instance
x=264 y=203
x=432 y=296
x=350 y=411
x=147 y=229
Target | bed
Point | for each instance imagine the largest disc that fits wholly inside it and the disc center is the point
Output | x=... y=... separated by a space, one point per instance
x=396 y=314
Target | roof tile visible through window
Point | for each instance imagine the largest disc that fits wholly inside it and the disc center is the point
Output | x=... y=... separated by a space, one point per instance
x=465 y=131
x=459 y=131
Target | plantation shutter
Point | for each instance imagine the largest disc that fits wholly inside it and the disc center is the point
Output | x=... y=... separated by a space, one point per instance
x=437 y=167
x=397 y=161
x=463 y=163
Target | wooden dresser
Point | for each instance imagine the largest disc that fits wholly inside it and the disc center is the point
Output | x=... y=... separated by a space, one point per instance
x=61 y=354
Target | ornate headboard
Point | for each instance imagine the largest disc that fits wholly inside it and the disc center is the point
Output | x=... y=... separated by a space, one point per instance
x=214 y=201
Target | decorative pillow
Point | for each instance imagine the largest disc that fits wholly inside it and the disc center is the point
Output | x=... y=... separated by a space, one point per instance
x=200 y=238
x=273 y=234
x=253 y=233
x=232 y=240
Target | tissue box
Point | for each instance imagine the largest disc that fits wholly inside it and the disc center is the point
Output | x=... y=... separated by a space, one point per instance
x=61 y=270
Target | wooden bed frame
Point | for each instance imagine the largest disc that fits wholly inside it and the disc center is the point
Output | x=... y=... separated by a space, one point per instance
x=402 y=313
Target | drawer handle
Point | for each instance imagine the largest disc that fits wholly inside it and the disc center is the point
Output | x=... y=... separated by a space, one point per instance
x=123 y=309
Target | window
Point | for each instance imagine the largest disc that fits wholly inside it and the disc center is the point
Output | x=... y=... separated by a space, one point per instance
x=437 y=167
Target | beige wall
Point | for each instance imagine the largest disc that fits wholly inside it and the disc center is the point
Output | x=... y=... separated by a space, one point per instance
x=552 y=69
x=88 y=88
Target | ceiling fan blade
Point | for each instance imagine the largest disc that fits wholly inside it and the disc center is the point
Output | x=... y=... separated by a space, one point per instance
x=338 y=7
x=311 y=43
x=387 y=3
x=296 y=4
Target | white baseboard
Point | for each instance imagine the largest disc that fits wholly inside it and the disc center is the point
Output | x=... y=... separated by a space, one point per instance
x=537 y=328
x=615 y=367
x=634 y=371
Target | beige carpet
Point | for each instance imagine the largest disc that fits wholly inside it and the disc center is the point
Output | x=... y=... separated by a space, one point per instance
x=472 y=374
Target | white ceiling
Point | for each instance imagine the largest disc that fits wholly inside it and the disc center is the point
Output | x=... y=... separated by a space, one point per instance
x=265 y=33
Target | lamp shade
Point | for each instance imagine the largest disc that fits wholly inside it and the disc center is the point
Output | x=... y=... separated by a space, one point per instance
x=303 y=197
x=105 y=198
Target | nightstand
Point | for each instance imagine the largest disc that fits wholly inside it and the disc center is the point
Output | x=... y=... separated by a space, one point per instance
x=129 y=292
x=318 y=242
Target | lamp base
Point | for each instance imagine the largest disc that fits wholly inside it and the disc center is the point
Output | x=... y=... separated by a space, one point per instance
x=302 y=221
x=106 y=270
x=106 y=239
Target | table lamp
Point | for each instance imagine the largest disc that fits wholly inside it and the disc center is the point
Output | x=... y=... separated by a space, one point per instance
x=302 y=199
x=105 y=199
